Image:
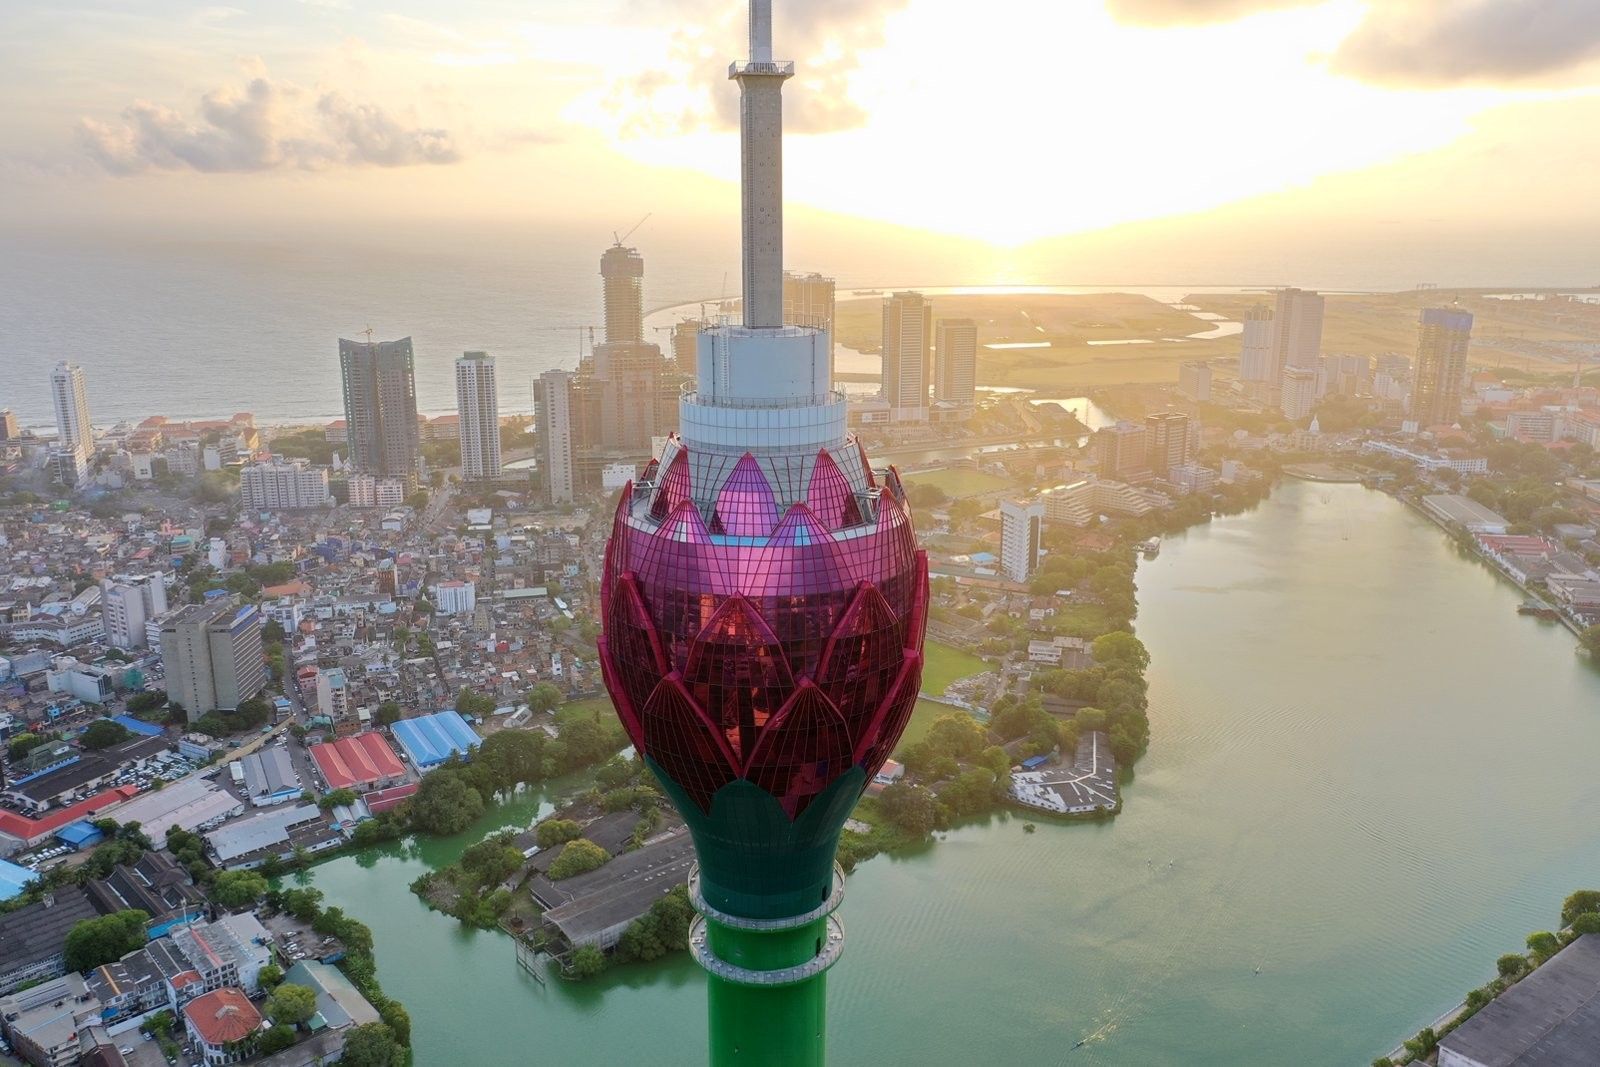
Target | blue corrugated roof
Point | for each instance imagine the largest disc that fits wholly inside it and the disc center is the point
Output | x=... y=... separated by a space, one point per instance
x=430 y=739
x=79 y=834
x=13 y=879
x=138 y=726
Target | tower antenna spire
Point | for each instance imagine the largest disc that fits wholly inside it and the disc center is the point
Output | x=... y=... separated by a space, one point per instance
x=761 y=81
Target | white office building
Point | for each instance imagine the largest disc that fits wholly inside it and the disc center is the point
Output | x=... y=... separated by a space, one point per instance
x=478 y=405
x=74 y=435
x=1021 y=529
x=455 y=598
x=283 y=485
x=955 y=362
x=1297 y=393
x=907 y=346
x=552 y=401
x=129 y=603
x=1297 y=331
x=1255 y=357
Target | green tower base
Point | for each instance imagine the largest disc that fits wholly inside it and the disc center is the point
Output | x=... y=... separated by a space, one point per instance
x=766 y=888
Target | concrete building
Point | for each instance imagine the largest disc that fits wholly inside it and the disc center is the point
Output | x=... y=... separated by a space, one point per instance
x=1021 y=530
x=955 y=362
x=455 y=598
x=1166 y=441
x=1297 y=391
x=1551 y=1017
x=43 y=1023
x=69 y=390
x=1087 y=784
x=380 y=407
x=213 y=656
x=283 y=485
x=1296 y=331
x=1194 y=381
x=127 y=604
x=1466 y=513
x=478 y=406
x=1080 y=503
x=1443 y=337
x=245 y=844
x=808 y=300
x=339 y=1003
x=9 y=430
x=552 y=401
x=1120 y=449
x=1460 y=462
x=368 y=491
x=1255 y=354
x=907 y=352
x=333 y=695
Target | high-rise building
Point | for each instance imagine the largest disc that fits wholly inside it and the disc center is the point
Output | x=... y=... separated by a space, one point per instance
x=1296 y=331
x=907 y=348
x=685 y=340
x=763 y=604
x=1021 y=525
x=127 y=605
x=955 y=362
x=1255 y=355
x=380 y=407
x=213 y=657
x=333 y=695
x=1443 y=337
x=1297 y=391
x=478 y=412
x=622 y=274
x=1194 y=381
x=552 y=418
x=808 y=300
x=1120 y=449
x=1166 y=441
x=283 y=485
x=69 y=390
x=1347 y=375
x=8 y=425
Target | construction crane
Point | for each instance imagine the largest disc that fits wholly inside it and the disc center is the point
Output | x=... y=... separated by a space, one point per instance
x=623 y=237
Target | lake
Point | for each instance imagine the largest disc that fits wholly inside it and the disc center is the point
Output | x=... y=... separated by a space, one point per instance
x=1368 y=778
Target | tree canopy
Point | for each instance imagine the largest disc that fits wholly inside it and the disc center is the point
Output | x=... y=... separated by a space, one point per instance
x=445 y=804
x=92 y=942
x=291 y=1004
x=578 y=856
x=103 y=733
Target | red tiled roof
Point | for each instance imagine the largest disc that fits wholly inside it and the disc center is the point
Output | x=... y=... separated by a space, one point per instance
x=223 y=1015
x=26 y=829
x=356 y=761
x=382 y=800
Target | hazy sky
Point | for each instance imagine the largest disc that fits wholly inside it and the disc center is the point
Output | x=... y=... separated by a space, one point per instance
x=1002 y=120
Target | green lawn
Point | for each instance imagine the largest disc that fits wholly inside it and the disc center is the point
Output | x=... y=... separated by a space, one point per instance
x=926 y=714
x=945 y=664
x=1080 y=620
x=959 y=483
x=585 y=709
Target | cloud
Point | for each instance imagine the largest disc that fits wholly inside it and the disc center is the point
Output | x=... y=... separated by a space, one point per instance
x=691 y=90
x=1425 y=42
x=266 y=125
x=1445 y=42
x=1193 y=12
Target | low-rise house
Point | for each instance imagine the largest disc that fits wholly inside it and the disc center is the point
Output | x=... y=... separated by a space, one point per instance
x=33 y=938
x=223 y=1024
x=43 y=1022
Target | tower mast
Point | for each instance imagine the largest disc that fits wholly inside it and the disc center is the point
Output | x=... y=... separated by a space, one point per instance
x=761 y=150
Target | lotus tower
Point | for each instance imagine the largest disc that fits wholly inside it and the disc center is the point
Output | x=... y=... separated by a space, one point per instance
x=764 y=603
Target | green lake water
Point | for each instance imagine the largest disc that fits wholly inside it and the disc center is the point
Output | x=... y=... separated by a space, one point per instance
x=1368 y=778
